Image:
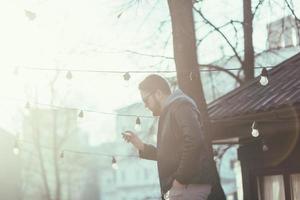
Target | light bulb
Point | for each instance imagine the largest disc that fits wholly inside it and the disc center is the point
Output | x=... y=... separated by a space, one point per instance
x=30 y=15
x=255 y=132
x=264 y=77
x=81 y=114
x=69 y=75
x=264 y=80
x=27 y=106
x=265 y=147
x=114 y=164
x=16 y=150
x=126 y=78
x=138 y=126
x=16 y=71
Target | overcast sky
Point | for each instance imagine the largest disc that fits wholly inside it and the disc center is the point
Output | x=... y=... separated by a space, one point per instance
x=95 y=35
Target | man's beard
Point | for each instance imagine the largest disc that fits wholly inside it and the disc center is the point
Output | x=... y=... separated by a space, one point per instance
x=157 y=109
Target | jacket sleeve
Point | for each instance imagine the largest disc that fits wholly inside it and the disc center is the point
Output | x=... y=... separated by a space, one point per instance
x=149 y=152
x=187 y=119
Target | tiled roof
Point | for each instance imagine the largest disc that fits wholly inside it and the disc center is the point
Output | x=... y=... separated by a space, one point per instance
x=283 y=89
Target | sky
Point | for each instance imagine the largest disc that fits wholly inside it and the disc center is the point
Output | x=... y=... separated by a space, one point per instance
x=94 y=35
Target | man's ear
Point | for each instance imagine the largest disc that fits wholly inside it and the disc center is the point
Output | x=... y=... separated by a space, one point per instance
x=159 y=93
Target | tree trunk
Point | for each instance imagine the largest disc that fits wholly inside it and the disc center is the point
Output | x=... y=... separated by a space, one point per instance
x=55 y=144
x=185 y=54
x=248 y=63
x=189 y=80
x=36 y=139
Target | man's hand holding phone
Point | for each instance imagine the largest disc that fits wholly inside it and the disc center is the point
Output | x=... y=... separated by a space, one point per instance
x=131 y=137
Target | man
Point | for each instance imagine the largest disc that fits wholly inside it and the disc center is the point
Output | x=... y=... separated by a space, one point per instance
x=186 y=169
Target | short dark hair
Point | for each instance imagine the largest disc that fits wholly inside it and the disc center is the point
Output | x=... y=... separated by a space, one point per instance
x=154 y=82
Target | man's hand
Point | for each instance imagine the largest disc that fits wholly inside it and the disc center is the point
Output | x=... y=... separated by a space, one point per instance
x=131 y=137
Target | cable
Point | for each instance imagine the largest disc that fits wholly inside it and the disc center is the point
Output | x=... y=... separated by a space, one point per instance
x=28 y=105
x=18 y=141
x=97 y=154
x=130 y=71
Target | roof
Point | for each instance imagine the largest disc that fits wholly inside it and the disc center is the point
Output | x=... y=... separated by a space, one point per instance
x=283 y=89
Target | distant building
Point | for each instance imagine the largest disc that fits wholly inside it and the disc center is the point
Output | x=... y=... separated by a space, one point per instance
x=135 y=179
x=47 y=136
x=282 y=43
x=10 y=168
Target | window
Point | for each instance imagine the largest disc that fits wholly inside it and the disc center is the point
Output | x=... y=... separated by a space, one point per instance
x=295 y=186
x=272 y=188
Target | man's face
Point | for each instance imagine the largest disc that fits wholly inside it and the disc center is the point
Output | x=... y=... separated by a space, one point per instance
x=151 y=102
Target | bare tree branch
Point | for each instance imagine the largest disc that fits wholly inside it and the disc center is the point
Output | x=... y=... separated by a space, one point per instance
x=222 y=34
x=292 y=10
x=235 y=34
x=127 y=5
x=232 y=22
x=256 y=7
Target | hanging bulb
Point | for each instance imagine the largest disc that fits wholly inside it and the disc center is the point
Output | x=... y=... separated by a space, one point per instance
x=264 y=77
x=16 y=149
x=255 y=132
x=27 y=105
x=27 y=108
x=265 y=147
x=114 y=164
x=16 y=71
x=138 y=126
x=69 y=75
x=126 y=76
x=30 y=15
x=81 y=114
x=62 y=155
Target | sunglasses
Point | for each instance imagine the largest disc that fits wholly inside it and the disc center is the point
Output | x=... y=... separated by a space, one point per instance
x=145 y=98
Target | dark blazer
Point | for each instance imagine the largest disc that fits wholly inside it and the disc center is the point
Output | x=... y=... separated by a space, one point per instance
x=182 y=151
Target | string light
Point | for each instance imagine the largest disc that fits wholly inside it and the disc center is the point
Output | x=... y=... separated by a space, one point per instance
x=126 y=76
x=69 y=75
x=264 y=146
x=114 y=164
x=135 y=71
x=138 y=126
x=27 y=105
x=81 y=114
x=62 y=154
x=30 y=15
x=255 y=132
x=16 y=71
x=264 y=77
x=16 y=149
